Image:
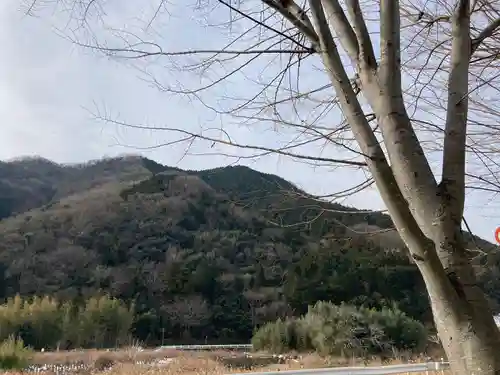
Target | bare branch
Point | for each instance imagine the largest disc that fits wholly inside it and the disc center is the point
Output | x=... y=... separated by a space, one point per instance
x=344 y=31
x=293 y=13
x=390 y=48
x=263 y=24
x=453 y=179
x=486 y=33
x=188 y=136
x=366 y=53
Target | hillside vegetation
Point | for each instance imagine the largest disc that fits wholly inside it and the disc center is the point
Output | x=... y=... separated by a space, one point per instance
x=203 y=256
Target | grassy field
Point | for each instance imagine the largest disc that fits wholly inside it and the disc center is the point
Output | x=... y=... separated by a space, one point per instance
x=173 y=362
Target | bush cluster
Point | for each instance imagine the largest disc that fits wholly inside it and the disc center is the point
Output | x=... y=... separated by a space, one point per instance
x=46 y=323
x=14 y=355
x=343 y=330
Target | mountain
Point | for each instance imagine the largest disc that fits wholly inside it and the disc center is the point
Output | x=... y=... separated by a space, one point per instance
x=203 y=255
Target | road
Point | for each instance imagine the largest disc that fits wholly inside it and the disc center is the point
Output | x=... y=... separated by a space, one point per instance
x=379 y=370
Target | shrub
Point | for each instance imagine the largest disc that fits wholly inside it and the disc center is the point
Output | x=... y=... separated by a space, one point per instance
x=104 y=362
x=14 y=355
x=343 y=330
x=47 y=323
x=274 y=336
x=407 y=334
x=104 y=322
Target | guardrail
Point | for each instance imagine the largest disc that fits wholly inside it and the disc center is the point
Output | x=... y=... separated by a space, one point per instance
x=379 y=370
x=208 y=347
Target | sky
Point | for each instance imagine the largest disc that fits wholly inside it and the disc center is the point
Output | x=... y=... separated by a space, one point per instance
x=51 y=90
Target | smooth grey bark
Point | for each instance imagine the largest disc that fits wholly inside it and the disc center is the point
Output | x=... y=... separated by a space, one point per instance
x=427 y=214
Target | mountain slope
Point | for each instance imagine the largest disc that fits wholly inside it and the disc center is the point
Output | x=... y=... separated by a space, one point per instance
x=28 y=183
x=201 y=253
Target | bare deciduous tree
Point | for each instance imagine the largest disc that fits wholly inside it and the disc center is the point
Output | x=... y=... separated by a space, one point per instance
x=188 y=312
x=414 y=85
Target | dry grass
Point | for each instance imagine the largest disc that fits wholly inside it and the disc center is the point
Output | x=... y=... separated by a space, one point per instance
x=128 y=355
x=191 y=363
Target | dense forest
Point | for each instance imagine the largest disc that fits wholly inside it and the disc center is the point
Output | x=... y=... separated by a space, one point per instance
x=203 y=256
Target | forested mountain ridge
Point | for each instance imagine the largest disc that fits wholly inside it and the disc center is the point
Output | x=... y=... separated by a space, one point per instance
x=203 y=254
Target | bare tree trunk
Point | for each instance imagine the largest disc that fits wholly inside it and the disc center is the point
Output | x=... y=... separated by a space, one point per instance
x=427 y=215
x=464 y=322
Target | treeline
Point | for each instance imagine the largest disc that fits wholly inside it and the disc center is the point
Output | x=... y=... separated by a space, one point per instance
x=47 y=323
x=344 y=330
x=103 y=322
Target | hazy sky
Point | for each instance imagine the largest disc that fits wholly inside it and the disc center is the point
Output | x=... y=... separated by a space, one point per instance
x=47 y=86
